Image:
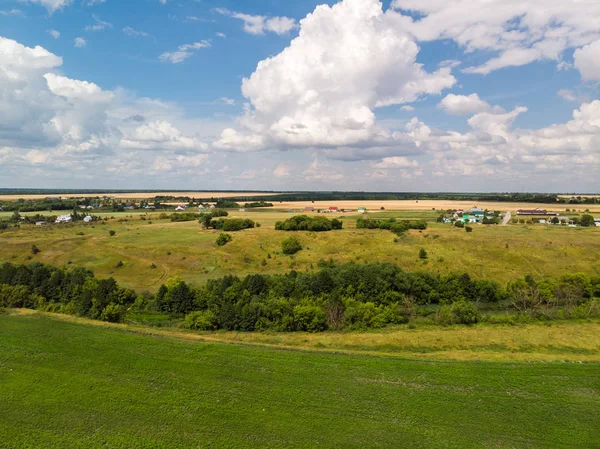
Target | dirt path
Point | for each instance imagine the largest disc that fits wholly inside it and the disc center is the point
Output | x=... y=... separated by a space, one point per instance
x=507 y=218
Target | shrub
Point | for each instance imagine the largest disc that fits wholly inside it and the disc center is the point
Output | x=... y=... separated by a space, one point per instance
x=113 y=313
x=112 y=233
x=34 y=249
x=459 y=224
x=310 y=318
x=468 y=229
x=465 y=312
x=291 y=246
x=423 y=254
x=119 y=264
x=224 y=239
x=204 y=320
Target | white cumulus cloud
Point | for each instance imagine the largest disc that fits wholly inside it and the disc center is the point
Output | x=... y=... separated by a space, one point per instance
x=463 y=104
x=298 y=100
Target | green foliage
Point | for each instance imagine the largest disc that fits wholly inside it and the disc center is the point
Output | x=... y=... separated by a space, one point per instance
x=423 y=254
x=257 y=204
x=227 y=204
x=34 y=250
x=224 y=239
x=232 y=224
x=112 y=233
x=306 y=223
x=113 y=313
x=587 y=221
x=204 y=320
x=460 y=312
x=469 y=228
x=184 y=216
x=459 y=224
x=291 y=246
x=390 y=224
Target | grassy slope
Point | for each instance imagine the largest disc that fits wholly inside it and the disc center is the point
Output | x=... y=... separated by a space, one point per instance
x=538 y=250
x=71 y=385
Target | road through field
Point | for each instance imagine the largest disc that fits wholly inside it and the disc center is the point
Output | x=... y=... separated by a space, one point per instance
x=507 y=218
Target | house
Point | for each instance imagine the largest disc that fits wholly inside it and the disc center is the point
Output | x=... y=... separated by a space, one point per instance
x=478 y=212
x=88 y=219
x=543 y=221
x=242 y=210
x=333 y=209
x=64 y=219
x=40 y=223
x=180 y=208
x=597 y=221
x=362 y=210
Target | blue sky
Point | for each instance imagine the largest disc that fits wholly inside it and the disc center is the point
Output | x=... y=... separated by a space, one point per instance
x=361 y=95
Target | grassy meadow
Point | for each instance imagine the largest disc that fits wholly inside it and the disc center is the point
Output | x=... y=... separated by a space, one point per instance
x=69 y=384
x=153 y=250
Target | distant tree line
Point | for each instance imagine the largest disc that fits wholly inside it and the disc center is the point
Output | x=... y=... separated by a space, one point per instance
x=306 y=223
x=257 y=204
x=350 y=296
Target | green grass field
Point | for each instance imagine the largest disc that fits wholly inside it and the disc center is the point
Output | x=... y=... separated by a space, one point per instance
x=494 y=252
x=72 y=385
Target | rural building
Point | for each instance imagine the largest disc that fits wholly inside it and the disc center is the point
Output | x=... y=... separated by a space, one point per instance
x=180 y=208
x=64 y=219
x=88 y=219
x=537 y=211
x=333 y=209
x=242 y=210
x=362 y=210
x=40 y=223
x=597 y=221
x=309 y=209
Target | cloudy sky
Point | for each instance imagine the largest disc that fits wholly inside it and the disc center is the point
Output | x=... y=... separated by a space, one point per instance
x=397 y=95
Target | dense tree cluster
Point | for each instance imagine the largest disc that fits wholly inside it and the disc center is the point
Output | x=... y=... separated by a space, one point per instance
x=72 y=291
x=233 y=224
x=306 y=223
x=390 y=224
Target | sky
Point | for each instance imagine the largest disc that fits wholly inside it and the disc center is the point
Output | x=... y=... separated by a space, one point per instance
x=355 y=95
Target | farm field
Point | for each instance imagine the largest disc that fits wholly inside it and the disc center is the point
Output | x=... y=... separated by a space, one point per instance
x=69 y=384
x=185 y=249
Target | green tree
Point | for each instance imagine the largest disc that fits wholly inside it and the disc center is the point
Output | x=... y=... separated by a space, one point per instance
x=587 y=221
x=291 y=246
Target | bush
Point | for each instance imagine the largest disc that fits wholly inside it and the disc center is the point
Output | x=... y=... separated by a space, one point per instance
x=310 y=318
x=34 y=249
x=119 y=264
x=468 y=229
x=113 y=313
x=291 y=246
x=423 y=254
x=224 y=239
x=204 y=320
x=459 y=224
x=465 y=312
x=112 y=233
